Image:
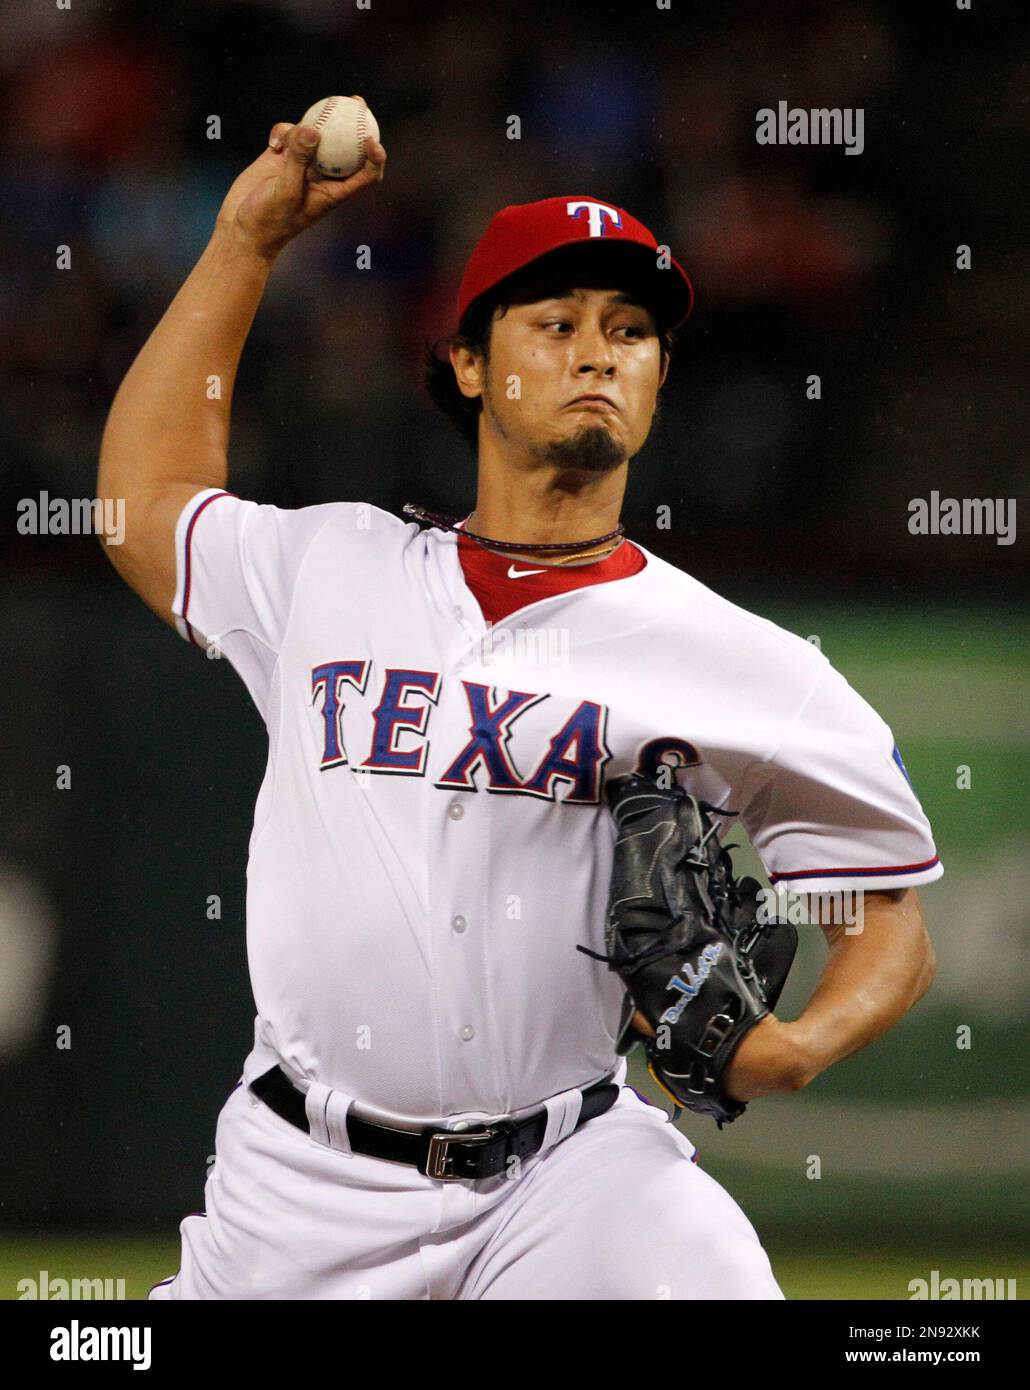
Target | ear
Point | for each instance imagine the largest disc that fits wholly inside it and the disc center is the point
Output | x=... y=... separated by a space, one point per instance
x=666 y=359
x=468 y=370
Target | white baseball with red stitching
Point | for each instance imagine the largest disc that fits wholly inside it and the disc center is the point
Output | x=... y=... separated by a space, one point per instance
x=345 y=125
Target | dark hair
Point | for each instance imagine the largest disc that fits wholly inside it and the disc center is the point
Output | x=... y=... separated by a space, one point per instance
x=554 y=273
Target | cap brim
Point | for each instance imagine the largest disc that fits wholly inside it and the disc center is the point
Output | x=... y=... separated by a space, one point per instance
x=667 y=293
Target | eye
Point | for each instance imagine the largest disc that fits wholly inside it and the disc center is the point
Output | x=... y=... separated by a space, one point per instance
x=633 y=328
x=558 y=323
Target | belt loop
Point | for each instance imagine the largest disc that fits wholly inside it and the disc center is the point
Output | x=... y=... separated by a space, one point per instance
x=326 y=1110
x=562 y=1117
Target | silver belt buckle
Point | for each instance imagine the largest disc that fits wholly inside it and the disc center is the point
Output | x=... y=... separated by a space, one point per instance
x=437 y=1157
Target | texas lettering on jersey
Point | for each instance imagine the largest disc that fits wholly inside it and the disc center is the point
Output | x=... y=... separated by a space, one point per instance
x=575 y=753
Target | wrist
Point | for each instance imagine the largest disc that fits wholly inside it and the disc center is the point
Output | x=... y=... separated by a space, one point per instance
x=766 y=1062
x=803 y=1061
x=230 y=243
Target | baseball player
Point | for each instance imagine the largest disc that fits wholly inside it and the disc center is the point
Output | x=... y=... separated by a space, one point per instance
x=435 y=1104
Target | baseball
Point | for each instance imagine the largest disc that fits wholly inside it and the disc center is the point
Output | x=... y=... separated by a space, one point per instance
x=345 y=124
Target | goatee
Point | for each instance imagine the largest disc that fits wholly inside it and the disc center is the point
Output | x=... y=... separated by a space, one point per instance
x=594 y=449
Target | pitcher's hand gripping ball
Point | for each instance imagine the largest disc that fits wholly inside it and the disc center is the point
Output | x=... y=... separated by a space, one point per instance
x=344 y=124
x=696 y=954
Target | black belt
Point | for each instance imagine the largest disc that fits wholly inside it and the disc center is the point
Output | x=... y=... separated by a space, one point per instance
x=479 y=1151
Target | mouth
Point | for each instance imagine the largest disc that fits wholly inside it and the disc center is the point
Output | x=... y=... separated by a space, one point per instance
x=592 y=402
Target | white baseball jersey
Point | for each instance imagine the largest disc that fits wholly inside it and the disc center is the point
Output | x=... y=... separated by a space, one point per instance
x=431 y=840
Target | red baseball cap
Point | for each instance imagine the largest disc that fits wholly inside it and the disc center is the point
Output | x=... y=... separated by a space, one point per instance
x=522 y=233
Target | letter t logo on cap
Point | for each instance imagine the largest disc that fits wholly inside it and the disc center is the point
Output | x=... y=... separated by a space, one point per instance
x=596 y=213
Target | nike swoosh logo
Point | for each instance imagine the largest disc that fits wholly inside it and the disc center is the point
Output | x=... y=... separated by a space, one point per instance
x=513 y=573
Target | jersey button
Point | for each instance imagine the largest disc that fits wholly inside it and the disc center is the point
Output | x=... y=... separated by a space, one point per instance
x=459 y=612
x=468 y=1033
x=459 y=924
x=456 y=810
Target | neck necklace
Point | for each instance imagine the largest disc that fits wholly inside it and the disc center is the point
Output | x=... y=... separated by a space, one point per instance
x=580 y=550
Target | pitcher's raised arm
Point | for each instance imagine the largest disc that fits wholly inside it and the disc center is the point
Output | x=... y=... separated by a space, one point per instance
x=167 y=433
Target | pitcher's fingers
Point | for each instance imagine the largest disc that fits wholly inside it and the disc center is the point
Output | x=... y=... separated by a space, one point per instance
x=279 y=132
x=301 y=144
x=336 y=190
x=373 y=148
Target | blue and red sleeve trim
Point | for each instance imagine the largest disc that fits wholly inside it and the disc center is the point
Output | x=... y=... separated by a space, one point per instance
x=856 y=873
x=188 y=561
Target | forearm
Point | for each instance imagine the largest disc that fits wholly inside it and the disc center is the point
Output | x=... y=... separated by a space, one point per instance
x=170 y=419
x=871 y=979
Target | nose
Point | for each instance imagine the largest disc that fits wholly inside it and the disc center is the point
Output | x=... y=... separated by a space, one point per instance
x=594 y=350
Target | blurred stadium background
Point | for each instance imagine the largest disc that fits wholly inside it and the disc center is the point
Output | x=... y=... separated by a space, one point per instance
x=806 y=261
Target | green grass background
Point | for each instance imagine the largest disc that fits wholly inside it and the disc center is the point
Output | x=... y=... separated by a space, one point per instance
x=804 y=1271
